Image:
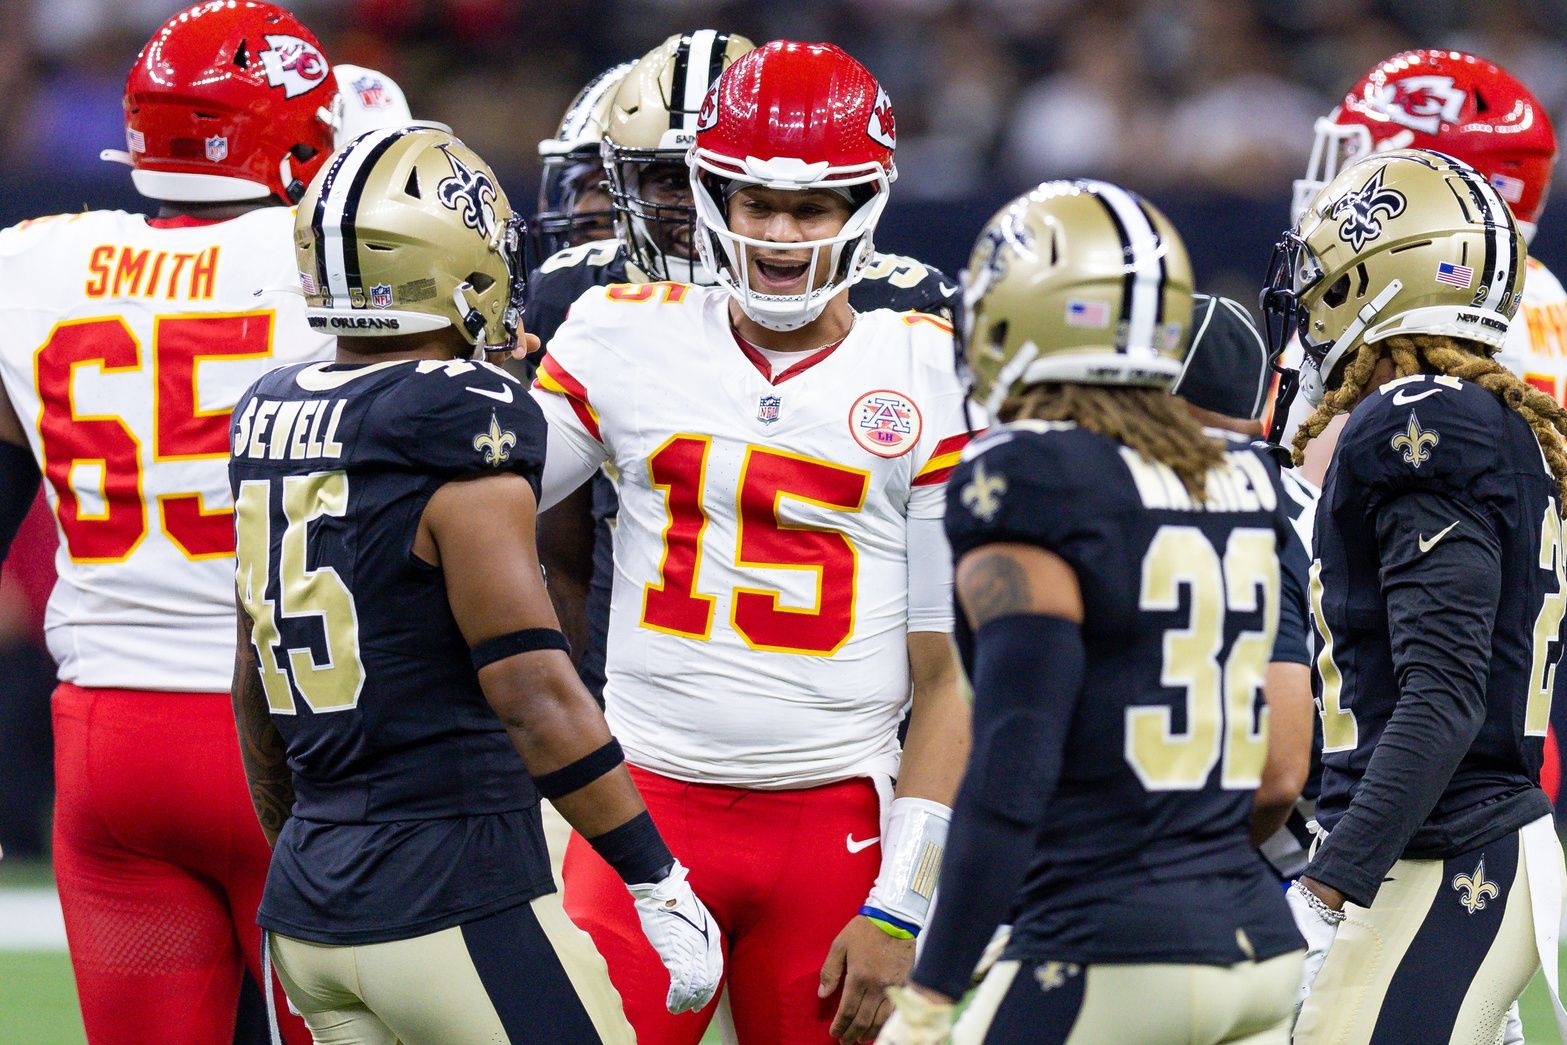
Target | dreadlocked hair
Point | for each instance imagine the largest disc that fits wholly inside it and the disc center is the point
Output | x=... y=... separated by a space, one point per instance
x=1433 y=353
x=1148 y=420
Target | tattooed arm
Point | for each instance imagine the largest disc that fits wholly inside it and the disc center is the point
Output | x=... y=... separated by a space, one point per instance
x=260 y=746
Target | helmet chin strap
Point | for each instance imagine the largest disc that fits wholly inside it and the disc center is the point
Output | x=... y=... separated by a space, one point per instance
x=1313 y=380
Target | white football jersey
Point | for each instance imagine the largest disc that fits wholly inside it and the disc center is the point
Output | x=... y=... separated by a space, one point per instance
x=759 y=619
x=1536 y=348
x=123 y=347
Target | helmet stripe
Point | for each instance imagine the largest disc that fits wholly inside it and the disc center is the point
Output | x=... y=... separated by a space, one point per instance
x=1498 y=270
x=1143 y=292
x=677 y=83
x=337 y=246
x=689 y=87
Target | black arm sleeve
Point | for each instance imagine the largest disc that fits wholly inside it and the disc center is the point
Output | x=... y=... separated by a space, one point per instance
x=1441 y=570
x=19 y=479
x=1028 y=673
x=1292 y=644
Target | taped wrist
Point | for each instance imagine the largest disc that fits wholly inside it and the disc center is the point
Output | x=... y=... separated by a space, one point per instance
x=525 y=640
x=635 y=850
x=579 y=774
x=911 y=851
x=19 y=479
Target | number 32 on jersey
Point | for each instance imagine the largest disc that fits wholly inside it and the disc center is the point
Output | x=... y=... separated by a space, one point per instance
x=675 y=606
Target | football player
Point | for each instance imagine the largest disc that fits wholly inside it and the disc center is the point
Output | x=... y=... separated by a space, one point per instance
x=1466 y=107
x=782 y=585
x=1224 y=381
x=573 y=199
x=1437 y=594
x=397 y=651
x=649 y=128
x=1118 y=575
x=124 y=342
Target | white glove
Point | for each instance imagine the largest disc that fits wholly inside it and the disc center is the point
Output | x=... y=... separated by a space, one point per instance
x=916 y=1019
x=998 y=943
x=1512 y=1033
x=685 y=936
x=1312 y=918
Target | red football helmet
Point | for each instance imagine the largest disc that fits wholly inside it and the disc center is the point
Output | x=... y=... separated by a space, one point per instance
x=229 y=100
x=1451 y=102
x=792 y=116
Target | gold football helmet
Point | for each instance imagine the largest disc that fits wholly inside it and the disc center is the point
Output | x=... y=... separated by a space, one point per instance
x=1080 y=282
x=651 y=124
x=407 y=230
x=571 y=164
x=1402 y=242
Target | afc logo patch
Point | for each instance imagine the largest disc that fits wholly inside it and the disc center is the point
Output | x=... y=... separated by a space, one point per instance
x=886 y=423
x=293 y=64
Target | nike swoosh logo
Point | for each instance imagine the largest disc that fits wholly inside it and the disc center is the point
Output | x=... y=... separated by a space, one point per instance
x=1403 y=398
x=503 y=396
x=699 y=928
x=944 y=290
x=855 y=846
x=1427 y=545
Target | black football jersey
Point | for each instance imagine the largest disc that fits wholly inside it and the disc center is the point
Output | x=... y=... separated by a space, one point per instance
x=890 y=281
x=1422 y=462
x=1142 y=853
x=412 y=811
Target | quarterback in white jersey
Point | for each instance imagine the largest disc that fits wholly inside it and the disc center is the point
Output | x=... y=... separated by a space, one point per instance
x=124 y=343
x=763 y=534
x=782 y=586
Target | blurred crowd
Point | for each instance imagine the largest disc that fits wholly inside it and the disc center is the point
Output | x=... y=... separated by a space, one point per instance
x=1205 y=105
x=990 y=94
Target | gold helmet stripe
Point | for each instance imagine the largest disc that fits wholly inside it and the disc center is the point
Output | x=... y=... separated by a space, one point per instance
x=1142 y=301
x=337 y=241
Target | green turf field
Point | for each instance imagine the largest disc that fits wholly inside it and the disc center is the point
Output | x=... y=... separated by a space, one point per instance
x=38 y=992
x=38 y=1003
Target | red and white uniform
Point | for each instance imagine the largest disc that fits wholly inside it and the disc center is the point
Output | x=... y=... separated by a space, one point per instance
x=1536 y=348
x=124 y=344
x=760 y=611
x=757 y=655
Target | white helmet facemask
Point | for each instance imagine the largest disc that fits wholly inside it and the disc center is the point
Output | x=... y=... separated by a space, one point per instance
x=850 y=248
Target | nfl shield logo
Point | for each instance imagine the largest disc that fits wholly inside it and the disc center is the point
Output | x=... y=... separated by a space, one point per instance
x=767 y=409
x=381 y=295
x=217 y=148
x=372 y=93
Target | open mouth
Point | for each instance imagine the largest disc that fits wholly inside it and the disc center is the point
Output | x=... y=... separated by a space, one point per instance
x=780 y=276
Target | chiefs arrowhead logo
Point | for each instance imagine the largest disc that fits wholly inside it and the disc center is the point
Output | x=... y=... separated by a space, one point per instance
x=293 y=64
x=1421 y=103
x=707 y=118
x=883 y=127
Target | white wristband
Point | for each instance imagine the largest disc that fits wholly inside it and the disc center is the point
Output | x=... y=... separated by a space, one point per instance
x=911 y=851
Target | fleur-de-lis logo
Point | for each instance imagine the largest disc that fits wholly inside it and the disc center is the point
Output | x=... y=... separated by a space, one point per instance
x=982 y=495
x=470 y=193
x=495 y=444
x=1415 y=442
x=1053 y=975
x=1362 y=207
x=1474 y=890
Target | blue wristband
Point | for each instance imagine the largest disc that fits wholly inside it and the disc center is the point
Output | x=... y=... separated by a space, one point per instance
x=889 y=924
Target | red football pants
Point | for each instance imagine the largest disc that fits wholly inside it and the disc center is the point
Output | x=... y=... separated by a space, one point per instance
x=160 y=864
x=776 y=870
